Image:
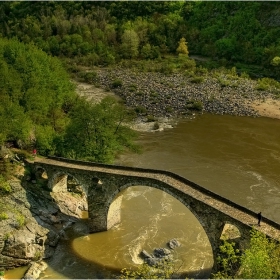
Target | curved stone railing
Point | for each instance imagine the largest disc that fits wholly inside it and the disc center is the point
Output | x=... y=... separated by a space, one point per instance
x=172 y=175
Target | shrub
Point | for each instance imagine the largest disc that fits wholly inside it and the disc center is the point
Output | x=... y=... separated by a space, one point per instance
x=117 y=83
x=163 y=270
x=169 y=109
x=37 y=256
x=140 y=110
x=167 y=68
x=132 y=87
x=22 y=154
x=3 y=216
x=151 y=118
x=196 y=80
x=267 y=84
x=5 y=187
x=20 y=219
x=223 y=82
x=194 y=105
x=89 y=77
x=156 y=126
x=188 y=64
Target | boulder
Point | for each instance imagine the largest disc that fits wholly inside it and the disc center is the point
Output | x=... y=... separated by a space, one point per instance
x=153 y=261
x=35 y=270
x=161 y=252
x=173 y=243
x=145 y=255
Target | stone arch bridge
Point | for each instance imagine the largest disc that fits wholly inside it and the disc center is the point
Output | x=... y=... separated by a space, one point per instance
x=102 y=183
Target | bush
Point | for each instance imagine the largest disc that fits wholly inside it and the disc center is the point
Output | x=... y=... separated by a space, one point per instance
x=132 y=87
x=156 y=126
x=196 y=80
x=194 y=105
x=151 y=118
x=267 y=84
x=163 y=270
x=117 y=83
x=188 y=64
x=20 y=219
x=140 y=110
x=167 y=68
x=5 y=187
x=89 y=77
x=3 y=216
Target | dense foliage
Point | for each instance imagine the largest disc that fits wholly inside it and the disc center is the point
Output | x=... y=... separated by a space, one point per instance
x=103 y=32
x=35 y=95
x=260 y=261
x=40 y=109
x=97 y=132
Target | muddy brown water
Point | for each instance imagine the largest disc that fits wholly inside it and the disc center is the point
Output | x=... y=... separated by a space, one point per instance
x=236 y=157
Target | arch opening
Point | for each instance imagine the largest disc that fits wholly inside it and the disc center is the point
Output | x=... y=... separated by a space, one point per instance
x=41 y=177
x=70 y=195
x=154 y=218
x=230 y=233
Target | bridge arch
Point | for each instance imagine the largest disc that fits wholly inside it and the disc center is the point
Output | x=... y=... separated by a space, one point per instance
x=214 y=236
x=103 y=183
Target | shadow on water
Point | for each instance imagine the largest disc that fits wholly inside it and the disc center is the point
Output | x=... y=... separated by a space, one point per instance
x=63 y=261
x=68 y=264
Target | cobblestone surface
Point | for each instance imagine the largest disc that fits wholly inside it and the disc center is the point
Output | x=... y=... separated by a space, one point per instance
x=237 y=212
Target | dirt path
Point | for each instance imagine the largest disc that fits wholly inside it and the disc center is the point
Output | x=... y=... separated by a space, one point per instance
x=91 y=92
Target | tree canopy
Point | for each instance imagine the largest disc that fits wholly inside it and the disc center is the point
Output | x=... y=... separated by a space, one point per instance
x=240 y=32
x=39 y=108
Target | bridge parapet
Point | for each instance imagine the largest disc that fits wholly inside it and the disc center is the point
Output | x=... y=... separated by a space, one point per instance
x=104 y=182
x=172 y=175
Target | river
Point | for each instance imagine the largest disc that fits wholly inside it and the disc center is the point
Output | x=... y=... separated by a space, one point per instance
x=236 y=157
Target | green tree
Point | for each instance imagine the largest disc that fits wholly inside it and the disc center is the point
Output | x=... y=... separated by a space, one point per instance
x=35 y=91
x=228 y=260
x=261 y=260
x=275 y=61
x=183 y=48
x=98 y=132
x=130 y=44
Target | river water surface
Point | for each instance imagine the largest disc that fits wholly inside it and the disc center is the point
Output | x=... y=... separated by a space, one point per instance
x=236 y=157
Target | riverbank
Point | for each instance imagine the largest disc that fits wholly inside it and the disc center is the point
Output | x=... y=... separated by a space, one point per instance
x=160 y=98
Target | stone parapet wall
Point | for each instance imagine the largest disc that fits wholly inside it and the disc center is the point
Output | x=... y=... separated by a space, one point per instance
x=172 y=175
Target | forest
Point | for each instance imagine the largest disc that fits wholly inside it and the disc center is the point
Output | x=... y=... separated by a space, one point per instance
x=243 y=34
x=41 y=41
x=41 y=44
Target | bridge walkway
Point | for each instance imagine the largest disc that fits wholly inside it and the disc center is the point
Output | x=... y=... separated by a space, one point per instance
x=235 y=211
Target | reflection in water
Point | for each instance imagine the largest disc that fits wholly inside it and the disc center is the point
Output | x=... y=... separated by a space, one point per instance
x=236 y=157
x=149 y=219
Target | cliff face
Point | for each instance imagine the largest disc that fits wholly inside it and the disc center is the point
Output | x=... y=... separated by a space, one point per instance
x=34 y=221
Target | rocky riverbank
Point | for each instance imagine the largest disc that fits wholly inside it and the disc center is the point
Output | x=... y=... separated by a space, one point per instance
x=161 y=98
x=33 y=220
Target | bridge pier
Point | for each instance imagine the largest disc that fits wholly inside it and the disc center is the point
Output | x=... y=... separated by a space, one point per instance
x=103 y=183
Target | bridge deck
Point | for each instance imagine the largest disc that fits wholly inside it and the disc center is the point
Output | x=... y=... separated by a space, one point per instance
x=266 y=227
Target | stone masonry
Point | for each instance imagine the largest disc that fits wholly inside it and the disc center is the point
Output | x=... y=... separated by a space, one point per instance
x=103 y=183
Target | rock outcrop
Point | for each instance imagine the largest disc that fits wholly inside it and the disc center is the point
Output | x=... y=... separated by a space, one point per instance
x=158 y=255
x=33 y=223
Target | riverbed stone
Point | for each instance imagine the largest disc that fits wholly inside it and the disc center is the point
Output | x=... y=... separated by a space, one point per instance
x=161 y=252
x=173 y=243
x=145 y=255
x=35 y=270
